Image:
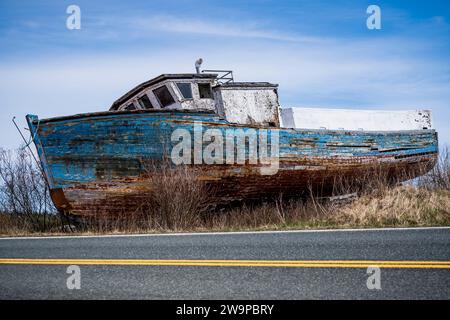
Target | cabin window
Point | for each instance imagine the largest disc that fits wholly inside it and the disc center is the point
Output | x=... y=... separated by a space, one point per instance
x=164 y=97
x=204 y=90
x=185 y=89
x=145 y=102
x=130 y=106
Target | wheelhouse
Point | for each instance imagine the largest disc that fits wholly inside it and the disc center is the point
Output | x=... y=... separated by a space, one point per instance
x=170 y=91
x=237 y=102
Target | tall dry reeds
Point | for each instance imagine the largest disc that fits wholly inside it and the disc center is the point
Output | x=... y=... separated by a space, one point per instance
x=439 y=176
x=179 y=198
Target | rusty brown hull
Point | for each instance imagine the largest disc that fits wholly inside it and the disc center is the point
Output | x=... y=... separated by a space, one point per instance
x=131 y=195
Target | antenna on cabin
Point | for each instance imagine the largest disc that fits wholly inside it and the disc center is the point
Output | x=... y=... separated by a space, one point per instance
x=198 y=63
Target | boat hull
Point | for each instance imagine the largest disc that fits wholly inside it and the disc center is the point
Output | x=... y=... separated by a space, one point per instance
x=95 y=163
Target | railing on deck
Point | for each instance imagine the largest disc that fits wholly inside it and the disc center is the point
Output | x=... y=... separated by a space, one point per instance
x=224 y=76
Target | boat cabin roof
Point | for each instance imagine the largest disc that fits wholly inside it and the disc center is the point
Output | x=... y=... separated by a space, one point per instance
x=163 y=77
x=248 y=85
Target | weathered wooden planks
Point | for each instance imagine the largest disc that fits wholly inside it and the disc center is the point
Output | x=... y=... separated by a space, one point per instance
x=94 y=162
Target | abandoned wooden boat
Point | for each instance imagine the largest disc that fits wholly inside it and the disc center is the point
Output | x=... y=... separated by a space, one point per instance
x=233 y=132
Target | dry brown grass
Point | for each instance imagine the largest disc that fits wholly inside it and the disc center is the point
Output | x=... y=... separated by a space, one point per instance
x=403 y=206
x=7 y=226
x=14 y=225
x=180 y=201
x=399 y=206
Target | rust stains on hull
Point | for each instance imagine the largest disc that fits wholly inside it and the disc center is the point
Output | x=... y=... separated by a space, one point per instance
x=234 y=183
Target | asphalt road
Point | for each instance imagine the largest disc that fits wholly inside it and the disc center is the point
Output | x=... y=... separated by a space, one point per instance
x=414 y=264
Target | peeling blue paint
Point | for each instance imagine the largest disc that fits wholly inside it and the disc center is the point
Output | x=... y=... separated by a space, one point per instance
x=98 y=148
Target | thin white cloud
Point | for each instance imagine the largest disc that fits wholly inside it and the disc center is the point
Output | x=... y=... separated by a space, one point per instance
x=227 y=29
x=146 y=26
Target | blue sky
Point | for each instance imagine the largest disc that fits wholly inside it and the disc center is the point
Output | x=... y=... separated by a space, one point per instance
x=319 y=52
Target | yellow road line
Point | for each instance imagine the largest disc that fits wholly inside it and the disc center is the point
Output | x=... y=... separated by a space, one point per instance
x=239 y=263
